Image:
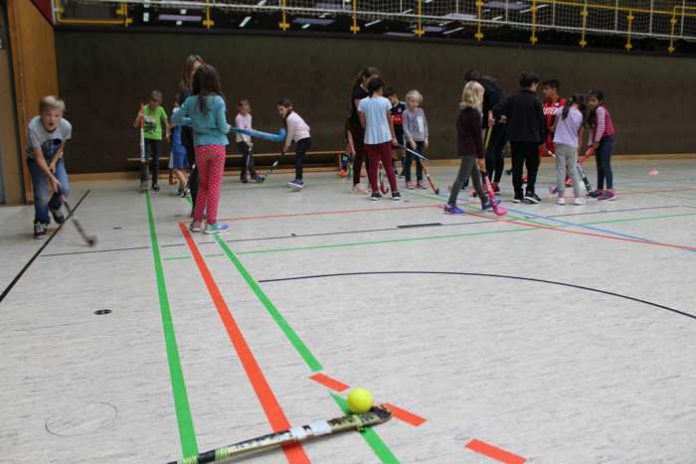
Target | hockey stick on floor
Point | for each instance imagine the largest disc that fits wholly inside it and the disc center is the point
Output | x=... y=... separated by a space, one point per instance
x=314 y=429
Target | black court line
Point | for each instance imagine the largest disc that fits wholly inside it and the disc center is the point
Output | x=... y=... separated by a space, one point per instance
x=413 y=226
x=345 y=232
x=38 y=252
x=479 y=274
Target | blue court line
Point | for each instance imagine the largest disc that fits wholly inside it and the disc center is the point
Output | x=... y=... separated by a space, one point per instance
x=530 y=215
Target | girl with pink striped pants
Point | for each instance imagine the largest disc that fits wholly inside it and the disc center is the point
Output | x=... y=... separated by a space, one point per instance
x=204 y=111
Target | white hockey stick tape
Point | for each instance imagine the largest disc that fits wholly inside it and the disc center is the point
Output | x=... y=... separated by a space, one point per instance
x=320 y=427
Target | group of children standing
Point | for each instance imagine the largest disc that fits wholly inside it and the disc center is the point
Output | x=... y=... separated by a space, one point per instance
x=377 y=129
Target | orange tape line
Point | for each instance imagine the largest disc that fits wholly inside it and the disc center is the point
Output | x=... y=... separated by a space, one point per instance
x=405 y=416
x=295 y=454
x=494 y=452
x=330 y=383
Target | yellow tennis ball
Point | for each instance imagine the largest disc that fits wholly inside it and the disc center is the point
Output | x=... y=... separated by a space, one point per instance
x=359 y=400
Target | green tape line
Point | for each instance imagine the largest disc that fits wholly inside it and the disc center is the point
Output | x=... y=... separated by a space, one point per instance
x=312 y=362
x=449 y=236
x=187 y=434
x=370 y=436
x=378 y=446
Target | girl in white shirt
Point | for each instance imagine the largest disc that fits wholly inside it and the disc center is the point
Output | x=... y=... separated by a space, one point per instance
x=298 y=132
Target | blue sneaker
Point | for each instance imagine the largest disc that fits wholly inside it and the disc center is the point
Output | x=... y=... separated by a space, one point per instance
x=454 y=209
x=486 y=205
x=297 y=184
x=217 y=228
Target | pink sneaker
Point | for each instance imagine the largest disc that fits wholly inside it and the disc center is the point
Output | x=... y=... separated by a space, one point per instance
x=421 y=185
x=410 y=185
x=607 y=195
x=359 y=188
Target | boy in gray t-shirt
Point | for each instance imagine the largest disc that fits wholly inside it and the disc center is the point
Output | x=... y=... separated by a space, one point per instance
x=46 y=137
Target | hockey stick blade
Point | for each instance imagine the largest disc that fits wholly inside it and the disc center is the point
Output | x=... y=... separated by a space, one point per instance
x=314 y=429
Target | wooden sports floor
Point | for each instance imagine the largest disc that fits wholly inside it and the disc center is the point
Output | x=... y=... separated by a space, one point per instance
x=555 y=335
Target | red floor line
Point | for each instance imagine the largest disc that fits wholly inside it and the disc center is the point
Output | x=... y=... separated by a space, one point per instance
x=494 y=452
x=405 y=416
x=329 y=383
x=590 y=234
x=295 y=454
x=326 y=213
x=398 y=413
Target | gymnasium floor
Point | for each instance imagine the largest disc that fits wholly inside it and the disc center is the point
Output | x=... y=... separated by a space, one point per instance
x=553 y=335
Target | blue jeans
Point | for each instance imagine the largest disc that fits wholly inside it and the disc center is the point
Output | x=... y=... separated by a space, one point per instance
x=39 y=182
x=603 y=159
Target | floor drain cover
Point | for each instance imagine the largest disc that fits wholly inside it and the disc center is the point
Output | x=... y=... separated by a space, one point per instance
x=81 y=419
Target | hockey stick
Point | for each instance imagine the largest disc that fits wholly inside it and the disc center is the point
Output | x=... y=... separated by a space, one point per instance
x=314 y=429
x=497 y=209
x=421 y=160
x=143 y=163
x=91 y=241
x=279 y=137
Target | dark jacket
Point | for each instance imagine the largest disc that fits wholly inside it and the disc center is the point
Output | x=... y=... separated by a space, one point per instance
x=493 y=95
x=525 y=116
x=469 y=139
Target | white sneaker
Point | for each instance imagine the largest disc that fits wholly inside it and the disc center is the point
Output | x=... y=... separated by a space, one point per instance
x=560 y=201
x=579 y=201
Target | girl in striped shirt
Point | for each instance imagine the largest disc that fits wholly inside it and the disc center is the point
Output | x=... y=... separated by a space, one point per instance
x=603 y=134
x=298 y=132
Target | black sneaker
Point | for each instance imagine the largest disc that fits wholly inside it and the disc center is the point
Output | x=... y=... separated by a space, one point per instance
x=244 y=180
x=155 y=187
x=396 y=196
x=517 y=199
x=57 y=215
x=39 y=229
x=259 y=179
x=376 y=196
x=531 y=198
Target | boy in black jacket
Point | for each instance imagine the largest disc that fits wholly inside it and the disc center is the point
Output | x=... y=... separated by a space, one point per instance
x=526 y=130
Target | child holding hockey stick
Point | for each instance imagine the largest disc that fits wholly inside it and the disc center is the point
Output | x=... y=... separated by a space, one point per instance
x=568 y=130
x=416 y=134
x=205 y=112
x=375 y=118
x=153 y=119
x=297 y=132
x=244 y=144
x=469 y=147
x=47 y=134
x=603 y=135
